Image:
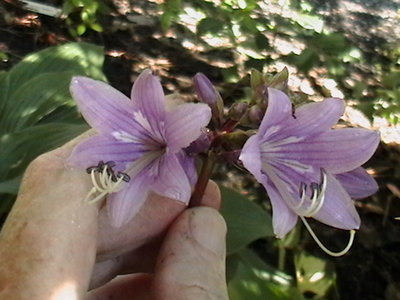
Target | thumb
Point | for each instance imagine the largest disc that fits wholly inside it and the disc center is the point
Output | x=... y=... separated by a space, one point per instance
x=191 y=264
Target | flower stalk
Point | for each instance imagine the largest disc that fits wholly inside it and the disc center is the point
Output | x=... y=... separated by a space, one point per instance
x=205 y=174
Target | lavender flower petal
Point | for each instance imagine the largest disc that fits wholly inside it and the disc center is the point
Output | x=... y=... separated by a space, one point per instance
x=337 y=151
x=279 y=110
x=358 y=183
x=283 y=218
x=148 y=94
x=338 y=209
x=102 y=106
x=315 y=118
x=103 y=148
x=184 y=124
x=172 y=181
x=122 y=206
x=251 y=157
x=188 y=164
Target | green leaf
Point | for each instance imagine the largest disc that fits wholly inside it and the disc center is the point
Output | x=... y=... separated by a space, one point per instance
x=246 y=220
x=36 y=98
x=21 y=147
x=261 y=41
x=81 y=58
x=96 y=27
x=10 y=186
x=256 y=280
x=166 y=20
x=81 y=29
x=314 y=274
x=209 y=25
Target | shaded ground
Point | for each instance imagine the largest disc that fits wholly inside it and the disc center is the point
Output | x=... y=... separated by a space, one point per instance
x=373 y=268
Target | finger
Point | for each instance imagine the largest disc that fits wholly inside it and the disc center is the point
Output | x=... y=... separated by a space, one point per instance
x=143 y=258
x=126 y=287
x=48 y=242
x=191 y=264
x=151 y=222
x=212 y=196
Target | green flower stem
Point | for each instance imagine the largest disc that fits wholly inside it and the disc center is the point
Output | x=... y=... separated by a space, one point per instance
x=281 y=256
x=205 y=174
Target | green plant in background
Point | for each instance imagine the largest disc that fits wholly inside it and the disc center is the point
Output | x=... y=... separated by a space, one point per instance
x=251 y=35
x=83 y=14
x=388 y=93
x=37 y=113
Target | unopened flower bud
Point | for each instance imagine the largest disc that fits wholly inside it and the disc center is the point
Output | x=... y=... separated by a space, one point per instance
x=205 y=90
x=280 y=80
x=237 y=110
x=208 y=94
x=256 y=79
x=256 y=114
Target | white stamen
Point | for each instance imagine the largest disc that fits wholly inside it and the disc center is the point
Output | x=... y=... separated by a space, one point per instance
x=319 y=202
x=316 y=202
x=326 y=250
x=103 y=185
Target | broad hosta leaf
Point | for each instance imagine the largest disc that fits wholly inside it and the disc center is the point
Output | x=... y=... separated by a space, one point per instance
x=81 y=58
x=20 y=147
x=246 y=220
x=27 y=80
x=35 y=99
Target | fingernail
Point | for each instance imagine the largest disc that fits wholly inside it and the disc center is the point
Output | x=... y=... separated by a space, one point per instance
x=208 y=228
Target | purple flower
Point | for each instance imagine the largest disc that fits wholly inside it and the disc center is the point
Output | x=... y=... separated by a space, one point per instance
x=139 y=144
x=308 y=168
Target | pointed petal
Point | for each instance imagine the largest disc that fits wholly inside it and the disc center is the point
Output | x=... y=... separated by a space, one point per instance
x=279 y=109
x=315 y=118
x=251 y=158
x=188 y=164
x=338 y=209
x=172 y=181
x=337 y=151
x=358 y=183
x=103 y=148
x=125 y=204
x=148 y=95
x=184 y=124
x=283 y=218
x=102 y=106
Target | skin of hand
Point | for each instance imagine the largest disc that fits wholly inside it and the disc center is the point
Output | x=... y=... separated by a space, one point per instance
x=56 y=246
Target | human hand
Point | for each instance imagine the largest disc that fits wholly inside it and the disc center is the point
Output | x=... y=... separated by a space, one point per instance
x=54 y=244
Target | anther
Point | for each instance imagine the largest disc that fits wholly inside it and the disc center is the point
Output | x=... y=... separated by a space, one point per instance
x=317 y=199
x=125 y=177
x=106 y=182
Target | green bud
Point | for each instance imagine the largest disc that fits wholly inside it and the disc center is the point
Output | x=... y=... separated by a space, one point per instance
x=280 y=81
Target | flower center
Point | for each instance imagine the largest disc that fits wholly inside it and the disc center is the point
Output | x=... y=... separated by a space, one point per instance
x=105 y=181
x=310 y=206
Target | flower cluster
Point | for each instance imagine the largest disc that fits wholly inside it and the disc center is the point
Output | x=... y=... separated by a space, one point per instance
x=144 y=144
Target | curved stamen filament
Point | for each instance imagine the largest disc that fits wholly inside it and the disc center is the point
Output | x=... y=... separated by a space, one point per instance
x=326 y=250
x=105 y=183
x=317 y=198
